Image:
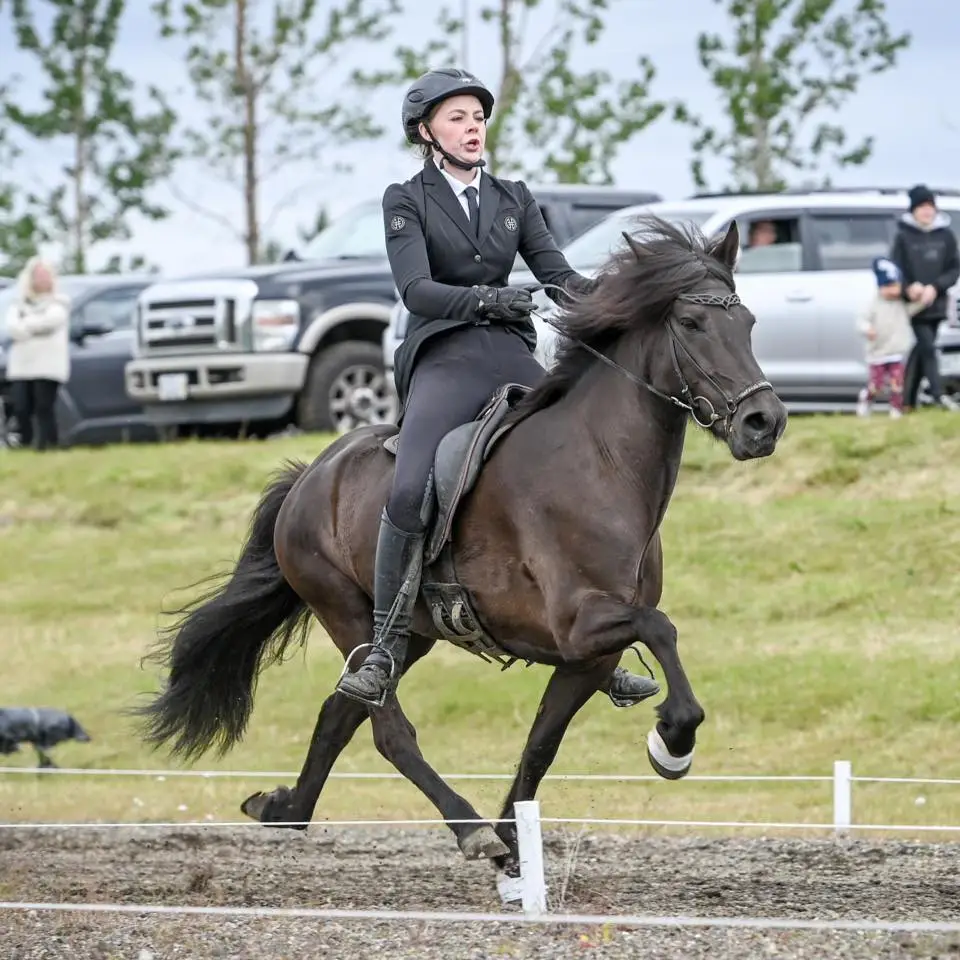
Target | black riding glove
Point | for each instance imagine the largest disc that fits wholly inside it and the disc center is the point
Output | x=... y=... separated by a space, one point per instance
x=586 y=285
x=503 y=303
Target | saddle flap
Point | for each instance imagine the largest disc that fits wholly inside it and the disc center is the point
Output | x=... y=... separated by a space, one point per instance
x=460 y=457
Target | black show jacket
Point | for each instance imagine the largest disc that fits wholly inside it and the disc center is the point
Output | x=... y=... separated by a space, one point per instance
x=436 y=258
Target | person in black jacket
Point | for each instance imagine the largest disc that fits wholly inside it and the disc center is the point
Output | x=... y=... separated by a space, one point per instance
x=925 y=249
x=453 y=232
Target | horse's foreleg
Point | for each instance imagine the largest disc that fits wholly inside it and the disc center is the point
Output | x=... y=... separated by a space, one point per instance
x=396 y=739
x=568 y=689
x=606 y=625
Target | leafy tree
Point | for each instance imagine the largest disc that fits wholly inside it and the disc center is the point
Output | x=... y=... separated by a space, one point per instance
x=117 y=153
x=272 y=93
x=136 y=264
x=19 y=231
x=788 y=66
x=572 y=123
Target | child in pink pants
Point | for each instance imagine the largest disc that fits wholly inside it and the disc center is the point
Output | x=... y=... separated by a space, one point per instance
x=885 y=324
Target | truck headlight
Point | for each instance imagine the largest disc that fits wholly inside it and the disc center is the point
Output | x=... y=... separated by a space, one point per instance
x=274 y=323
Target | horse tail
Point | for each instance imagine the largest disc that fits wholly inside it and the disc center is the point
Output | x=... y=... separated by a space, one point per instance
x=224 y=638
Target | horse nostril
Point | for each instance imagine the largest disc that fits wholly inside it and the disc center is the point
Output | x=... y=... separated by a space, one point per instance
x=758 y=423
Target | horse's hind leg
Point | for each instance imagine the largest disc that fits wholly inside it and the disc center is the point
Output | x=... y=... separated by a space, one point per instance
x=339 y=719
x=349 y=623
x=336 y=724
x=396 y=739
x=568 y=689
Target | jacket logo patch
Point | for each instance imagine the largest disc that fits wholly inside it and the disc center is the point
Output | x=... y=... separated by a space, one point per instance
x=510 y=223
x=397 y=223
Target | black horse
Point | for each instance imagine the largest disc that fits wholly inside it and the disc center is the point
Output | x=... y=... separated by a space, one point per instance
x=545 y=546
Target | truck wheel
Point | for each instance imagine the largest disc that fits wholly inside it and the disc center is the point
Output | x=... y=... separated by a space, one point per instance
x=346 y=388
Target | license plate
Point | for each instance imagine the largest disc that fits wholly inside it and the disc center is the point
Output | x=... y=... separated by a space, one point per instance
x=950 y=364
x=172 y=386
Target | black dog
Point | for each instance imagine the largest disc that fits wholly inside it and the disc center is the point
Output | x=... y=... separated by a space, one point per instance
x=43 y=727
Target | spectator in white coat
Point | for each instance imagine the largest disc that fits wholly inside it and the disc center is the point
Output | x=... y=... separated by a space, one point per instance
x=38 y=324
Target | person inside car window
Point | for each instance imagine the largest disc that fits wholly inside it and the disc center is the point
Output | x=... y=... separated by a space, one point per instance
x=762 y=233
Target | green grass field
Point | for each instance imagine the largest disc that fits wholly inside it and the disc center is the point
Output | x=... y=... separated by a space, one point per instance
x=815 y=596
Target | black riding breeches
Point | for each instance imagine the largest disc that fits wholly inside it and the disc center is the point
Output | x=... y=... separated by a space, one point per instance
x=453 y=380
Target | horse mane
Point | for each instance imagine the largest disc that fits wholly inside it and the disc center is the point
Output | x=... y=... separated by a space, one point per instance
x=638 y=284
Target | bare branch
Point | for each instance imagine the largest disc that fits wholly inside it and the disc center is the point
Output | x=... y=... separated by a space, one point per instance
x=202 y=211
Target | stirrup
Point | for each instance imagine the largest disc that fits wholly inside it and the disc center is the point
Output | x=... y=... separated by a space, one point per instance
x=390 y=685
x=633 y=699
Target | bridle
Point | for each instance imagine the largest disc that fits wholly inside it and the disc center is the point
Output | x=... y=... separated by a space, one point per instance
x=691 y=402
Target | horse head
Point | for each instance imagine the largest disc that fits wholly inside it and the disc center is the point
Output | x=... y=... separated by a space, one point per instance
x=666 y=314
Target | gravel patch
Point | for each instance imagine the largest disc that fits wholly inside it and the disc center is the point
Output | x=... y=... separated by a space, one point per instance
x=420 y=869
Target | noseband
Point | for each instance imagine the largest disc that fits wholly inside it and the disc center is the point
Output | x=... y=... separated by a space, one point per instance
x=692 y=402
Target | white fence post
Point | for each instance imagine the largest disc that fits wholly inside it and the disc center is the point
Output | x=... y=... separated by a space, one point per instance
x=530 y=848
x=842 y=796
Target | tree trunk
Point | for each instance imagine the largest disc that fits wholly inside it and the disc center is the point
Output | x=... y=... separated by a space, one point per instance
x=762 y=167
x=508 y=88
x=80 y=148
x=249 y=93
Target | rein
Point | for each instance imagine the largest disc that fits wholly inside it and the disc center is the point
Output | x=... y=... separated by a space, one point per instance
x=692 y=402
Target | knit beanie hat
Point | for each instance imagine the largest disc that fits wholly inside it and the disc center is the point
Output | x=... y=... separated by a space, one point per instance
x=886 y=271
x=921 y=194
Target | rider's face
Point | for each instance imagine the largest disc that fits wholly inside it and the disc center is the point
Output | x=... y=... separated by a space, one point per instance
x=459 y=127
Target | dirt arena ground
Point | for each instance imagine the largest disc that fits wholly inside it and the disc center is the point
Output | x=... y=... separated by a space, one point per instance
x=421 y=869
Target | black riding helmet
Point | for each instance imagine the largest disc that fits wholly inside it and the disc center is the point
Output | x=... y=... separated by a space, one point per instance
x=432 y=88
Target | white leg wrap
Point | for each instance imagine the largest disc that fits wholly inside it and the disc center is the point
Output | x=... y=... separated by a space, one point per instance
x=660 y=753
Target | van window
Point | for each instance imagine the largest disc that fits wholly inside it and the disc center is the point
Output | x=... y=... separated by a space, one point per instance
x=770 y=244
x=850 y=241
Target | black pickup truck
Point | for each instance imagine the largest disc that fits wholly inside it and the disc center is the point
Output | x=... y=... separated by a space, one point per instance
x=300 y=342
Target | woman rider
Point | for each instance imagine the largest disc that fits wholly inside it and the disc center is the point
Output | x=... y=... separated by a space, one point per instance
x=451 y=251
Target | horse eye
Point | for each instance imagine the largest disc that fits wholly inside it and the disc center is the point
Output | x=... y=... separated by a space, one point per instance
x=688 y=323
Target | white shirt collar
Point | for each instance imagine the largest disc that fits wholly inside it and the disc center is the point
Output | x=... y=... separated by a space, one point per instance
x=459 y=186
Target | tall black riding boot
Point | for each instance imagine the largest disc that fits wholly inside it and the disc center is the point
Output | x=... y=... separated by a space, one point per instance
x=396 y=583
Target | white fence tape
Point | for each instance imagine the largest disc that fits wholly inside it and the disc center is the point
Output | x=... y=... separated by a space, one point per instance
x=425 y=916
x=531 y=884
x=504 y=777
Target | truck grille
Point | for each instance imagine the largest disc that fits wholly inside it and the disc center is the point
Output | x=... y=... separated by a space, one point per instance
x=181 y=317
x=181 y=323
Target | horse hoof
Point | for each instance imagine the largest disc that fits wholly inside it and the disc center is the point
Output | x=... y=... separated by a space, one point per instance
x=483 y=844
x=663 y=762
x=270 y=809
x=256 y=805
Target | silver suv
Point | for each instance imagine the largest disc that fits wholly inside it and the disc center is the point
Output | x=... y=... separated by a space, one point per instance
x=805 y=288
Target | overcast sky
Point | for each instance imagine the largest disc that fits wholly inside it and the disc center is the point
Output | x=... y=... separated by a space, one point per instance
x=913 y=111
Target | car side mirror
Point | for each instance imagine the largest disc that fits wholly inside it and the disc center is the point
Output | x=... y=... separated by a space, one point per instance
x=91 y=328
x=96 y=328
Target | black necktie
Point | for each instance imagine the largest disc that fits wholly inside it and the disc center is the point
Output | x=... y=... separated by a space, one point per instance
x=474 y=209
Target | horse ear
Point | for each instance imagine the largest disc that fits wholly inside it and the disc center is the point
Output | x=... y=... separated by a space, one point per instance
x=633 y=245
x=728 y=249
